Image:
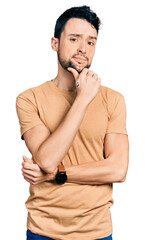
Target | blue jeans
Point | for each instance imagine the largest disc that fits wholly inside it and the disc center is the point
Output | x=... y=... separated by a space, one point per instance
x=32 y=236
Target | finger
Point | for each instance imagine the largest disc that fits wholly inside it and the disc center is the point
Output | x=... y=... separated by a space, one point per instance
x=27 y=159
x=95 y=76
x=29 y=180
x=90 y=73
x=34 y=173
x=29 y=176
x=30 y=173
x=28 y=166
x=98 y=82
x=84 y=71
x=32 y=180
x=74 y=72
x=31 y=167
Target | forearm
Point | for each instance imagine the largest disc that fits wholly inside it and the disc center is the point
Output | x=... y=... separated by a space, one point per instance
x=95 y=173
x=55 y=147
x=100 y=172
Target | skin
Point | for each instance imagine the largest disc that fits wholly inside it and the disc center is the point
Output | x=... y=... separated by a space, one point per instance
x=75 y=51
x=78 y=40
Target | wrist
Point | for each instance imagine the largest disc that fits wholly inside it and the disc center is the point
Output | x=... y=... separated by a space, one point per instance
x=69 y=173
x=81 y=102
x=51 y=176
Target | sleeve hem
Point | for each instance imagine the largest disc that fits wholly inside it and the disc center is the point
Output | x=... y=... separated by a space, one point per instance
x=28 y=128
x=117 y=131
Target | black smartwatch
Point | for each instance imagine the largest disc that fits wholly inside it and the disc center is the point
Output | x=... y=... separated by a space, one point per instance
x=61 y=176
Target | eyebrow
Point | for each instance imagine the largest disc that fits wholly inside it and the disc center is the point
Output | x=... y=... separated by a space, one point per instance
x=79 y=35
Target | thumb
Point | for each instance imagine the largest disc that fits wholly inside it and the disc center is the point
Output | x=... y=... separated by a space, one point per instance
x=27 y=159
x=74 y=72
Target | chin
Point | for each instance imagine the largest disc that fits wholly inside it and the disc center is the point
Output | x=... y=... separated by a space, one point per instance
x=79 y=69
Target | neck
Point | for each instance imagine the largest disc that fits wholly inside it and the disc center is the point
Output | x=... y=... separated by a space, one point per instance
x=64 y=80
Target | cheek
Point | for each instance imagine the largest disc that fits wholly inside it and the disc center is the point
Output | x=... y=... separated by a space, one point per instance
x=91 y=55
x=65 y=50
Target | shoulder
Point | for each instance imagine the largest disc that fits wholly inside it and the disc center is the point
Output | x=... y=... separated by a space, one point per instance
x=112 y=99
x=31 y=93
x=107 y=92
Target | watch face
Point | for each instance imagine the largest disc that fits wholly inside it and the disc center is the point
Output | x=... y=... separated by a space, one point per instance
x=61 y=177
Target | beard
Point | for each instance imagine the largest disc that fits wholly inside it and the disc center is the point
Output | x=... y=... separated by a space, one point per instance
x=66 y=64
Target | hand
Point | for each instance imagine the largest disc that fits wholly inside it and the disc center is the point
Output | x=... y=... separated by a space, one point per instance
x=33 y=173
x=89 y=83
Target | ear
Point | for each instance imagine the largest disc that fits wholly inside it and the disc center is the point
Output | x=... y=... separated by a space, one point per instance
x=54 y=43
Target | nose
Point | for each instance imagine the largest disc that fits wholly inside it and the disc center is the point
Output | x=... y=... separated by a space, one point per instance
x=82 y=47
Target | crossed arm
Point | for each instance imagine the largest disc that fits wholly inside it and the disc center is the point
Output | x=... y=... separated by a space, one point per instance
x=48 y=150
x=112 y=169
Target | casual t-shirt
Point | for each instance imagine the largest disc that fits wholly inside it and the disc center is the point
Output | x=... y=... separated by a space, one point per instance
x=72 y=211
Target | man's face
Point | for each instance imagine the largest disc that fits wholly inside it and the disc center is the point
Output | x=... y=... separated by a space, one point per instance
x=77 y=44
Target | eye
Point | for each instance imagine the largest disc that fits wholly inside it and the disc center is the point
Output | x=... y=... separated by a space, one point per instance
x=91 y=43
x=73 y=39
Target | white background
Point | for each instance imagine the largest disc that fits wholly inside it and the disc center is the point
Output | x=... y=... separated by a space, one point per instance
x=27 y=60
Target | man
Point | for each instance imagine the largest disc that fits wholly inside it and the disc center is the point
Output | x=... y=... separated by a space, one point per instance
x=76 y=132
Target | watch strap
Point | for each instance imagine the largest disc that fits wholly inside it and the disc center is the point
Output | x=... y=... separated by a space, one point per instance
x=61 y=168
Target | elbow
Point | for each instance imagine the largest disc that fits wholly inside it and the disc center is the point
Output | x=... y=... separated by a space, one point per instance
x=48 y=168
x=44 y=163
x=122 y=179
x=122 y=175
x=121 y=169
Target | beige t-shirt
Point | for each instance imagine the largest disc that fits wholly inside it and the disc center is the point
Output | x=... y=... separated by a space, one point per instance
x=72 y=211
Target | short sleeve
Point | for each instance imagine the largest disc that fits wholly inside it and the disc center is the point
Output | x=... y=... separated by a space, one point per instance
x=117 y=114
x=27 y=112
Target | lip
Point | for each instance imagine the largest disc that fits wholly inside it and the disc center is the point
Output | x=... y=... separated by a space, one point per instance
x=80 y=59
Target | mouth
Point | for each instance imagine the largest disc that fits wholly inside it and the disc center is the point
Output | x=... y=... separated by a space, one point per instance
x=79 y=59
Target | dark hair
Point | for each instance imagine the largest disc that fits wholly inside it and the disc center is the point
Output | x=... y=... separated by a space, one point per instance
x=83 y=12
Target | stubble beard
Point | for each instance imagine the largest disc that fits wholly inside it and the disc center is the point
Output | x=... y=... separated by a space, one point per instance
x=66 y=64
